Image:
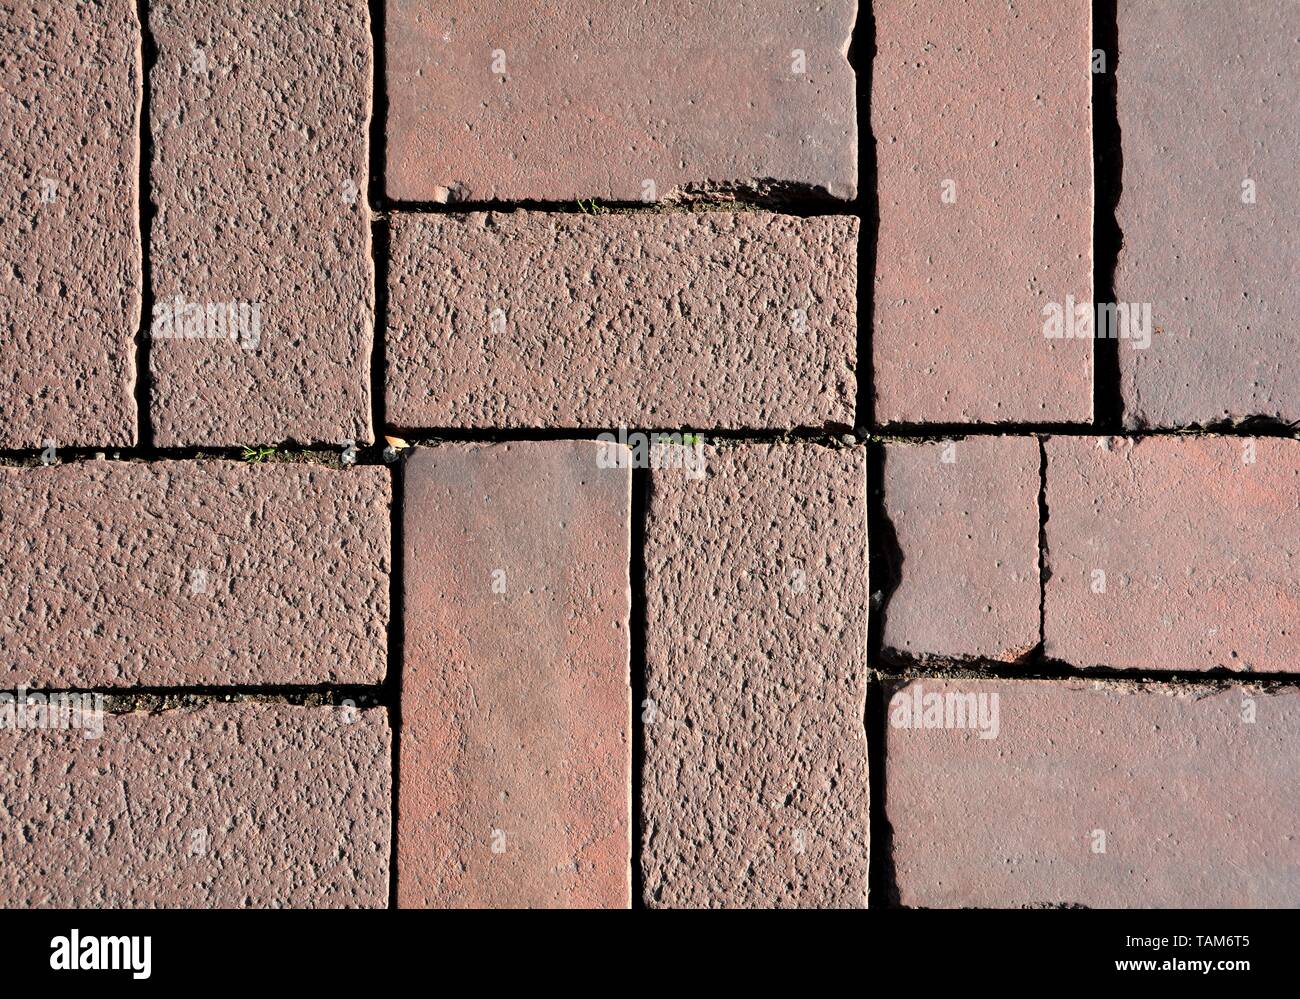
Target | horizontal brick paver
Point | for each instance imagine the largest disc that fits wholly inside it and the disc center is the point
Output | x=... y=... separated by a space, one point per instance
x=981 y=118
x=1102 y=795
x=718 y=319
x=754 y=786
x=1171 y=553
x=240 y=805
x=965 y=515
x=1207 y=112
x=70 y=226
x=191 y=573
x=259 y=121
x=489 y=99
x=516 y=752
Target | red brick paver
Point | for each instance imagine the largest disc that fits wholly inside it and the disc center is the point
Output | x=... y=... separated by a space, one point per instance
x=240 y=805
x=965 y=515
x=69 y=230
x=1103 y=795
x=516 y=752
x=754 y=788
x=1172 y=553
x=1207 y=99
x=191 y=573
x=580 y=98
x=981 y=118
x=525 y=319
x=259 y=122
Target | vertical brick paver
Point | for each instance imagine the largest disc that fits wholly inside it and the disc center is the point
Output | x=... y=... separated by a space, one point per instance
x=1172 y=553
x=70 y=226
x=1094 y=794
x=754 y=790
x=259 y=122
x=982 y=124
x=965 y=517
x=583 y=98
x=516 y=753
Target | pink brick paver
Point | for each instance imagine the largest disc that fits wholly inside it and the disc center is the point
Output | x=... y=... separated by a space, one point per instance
x=241 y=805
x=516 y=710
x=70 y=229
x=192 y=573
x=717 y=319
x=754 y=788
x=1094 y=794
x=1207 y=96
x=259 y=120
x=965 y=515
x=490 y=100
x=1174 y=553
x=981 y=118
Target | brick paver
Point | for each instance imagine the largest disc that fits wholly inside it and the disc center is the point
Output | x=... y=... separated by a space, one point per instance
x=1171 y=553
x=1207 y=98
x=69 y=229
x=191 y=573
x=241 y=805
x=718 y=319
x=965 y=517
x=1094 y=794
x=754 y=789
x=983 y=141
x=263 y=323
x=516 y=752
x=580 y=99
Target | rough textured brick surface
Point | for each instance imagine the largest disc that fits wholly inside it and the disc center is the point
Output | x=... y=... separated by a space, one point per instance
x=192 y=573
x=516 y=751
x=69 y=233
x=1197 y=804
x=259 y=122
x=1207 y=96
x=965 y=515
x=993 y=97
x=718 y=319
x=755 y=776
x=581 y=98
x=1199 y=543
x=226 y=806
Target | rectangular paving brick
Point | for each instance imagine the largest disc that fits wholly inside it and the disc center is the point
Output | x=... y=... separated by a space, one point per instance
x=1207 y=110
x=192 y=573
x=1028 y=793
x=516 y=709
x=240 y=805
x=754 y=789
x=70 y=233
x=985 y=188
x=587 y=99
x=719 y=319
x=263 y=323
x=965 y=520
x=1174 y=553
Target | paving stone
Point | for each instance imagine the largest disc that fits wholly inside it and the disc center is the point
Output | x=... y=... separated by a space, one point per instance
x=982 y=123
x=587 y=99
x=192 y=573
x=754 y=786
x=70 y=236
x=1207 y=96
x=239 y=805
x=1103 y=795
x=516 y=709
x=965 y=517
x=263 y=324
x=719 y=319
x=1174 y=553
